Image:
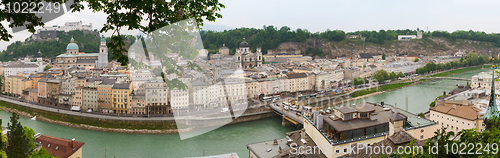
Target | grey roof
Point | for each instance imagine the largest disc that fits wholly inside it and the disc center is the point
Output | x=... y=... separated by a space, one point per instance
x=54 y=81
x=415 y=120
x=42 y=80
x=20 y=64
x=31 y=90
x=377 y=117
x=346 y=109
x=261 y=149
x=297 y=75
x=199 y=82
x=108 y=81
x=86 y=60
x=139 y=97
x=121 y=86
x=365 y=55
x=398 y=139
x=93 y=79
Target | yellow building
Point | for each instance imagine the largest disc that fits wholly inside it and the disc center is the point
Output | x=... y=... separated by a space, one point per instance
x=121 y=97
x=16 y=84
x=104 y=94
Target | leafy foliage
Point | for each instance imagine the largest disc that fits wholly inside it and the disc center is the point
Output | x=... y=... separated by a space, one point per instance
x=359 y=81
x=470 y=60
x=87 y=43
x=47 y=68
x=381 y=76
x=19 y=144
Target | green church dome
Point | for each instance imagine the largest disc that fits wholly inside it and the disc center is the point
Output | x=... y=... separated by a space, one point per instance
x=72 y=45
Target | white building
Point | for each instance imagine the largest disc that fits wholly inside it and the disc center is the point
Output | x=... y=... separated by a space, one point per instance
x=401 y=66
x=483 y=80
x=410 y=37
x=179 y=99
x=200 y=93
x=68 y=26
x=322 y=80
x=156 y=96
x=15 y=67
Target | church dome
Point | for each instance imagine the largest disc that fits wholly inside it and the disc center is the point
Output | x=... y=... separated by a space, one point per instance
x=103 y=39
x=244 y=43
x=72 y=45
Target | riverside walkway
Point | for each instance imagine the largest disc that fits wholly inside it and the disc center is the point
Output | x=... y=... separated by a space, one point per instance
x=188 y=116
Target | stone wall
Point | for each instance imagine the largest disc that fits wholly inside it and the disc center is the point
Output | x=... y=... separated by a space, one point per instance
x=250 y=115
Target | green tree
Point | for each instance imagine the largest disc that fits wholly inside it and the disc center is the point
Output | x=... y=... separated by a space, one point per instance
x=47 y=68
x=381 y=76
x=19 y=144
x=433 y=103
x=392 y=75
x=383 y=56
x=42 y=153
x=400 y=74
x=263 y=60
x=416 y=60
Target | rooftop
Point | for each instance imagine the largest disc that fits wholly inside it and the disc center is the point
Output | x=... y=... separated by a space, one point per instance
x=268 y=148
x=59 y=147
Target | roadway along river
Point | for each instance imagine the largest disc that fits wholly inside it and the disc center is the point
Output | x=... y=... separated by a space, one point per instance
x=227 y=139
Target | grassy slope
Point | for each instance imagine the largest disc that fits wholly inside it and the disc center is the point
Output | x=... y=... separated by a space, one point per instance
x=447 y=73
x=92 y=121
x=380 y=88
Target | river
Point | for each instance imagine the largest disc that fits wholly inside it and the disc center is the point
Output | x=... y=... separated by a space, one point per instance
x=227 y=139
x=420 y=95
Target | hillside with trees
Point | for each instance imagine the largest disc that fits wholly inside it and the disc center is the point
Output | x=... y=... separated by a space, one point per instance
x=88 y=43
x=333 y=43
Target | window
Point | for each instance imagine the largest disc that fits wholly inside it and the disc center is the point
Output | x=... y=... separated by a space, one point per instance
x=363 y=115
x=421 y=137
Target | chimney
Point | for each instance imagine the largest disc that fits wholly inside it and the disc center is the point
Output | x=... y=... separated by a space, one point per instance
x=444 y=93
x=73 y=143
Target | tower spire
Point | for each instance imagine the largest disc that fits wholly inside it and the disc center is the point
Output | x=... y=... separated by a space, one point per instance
x=492 y=110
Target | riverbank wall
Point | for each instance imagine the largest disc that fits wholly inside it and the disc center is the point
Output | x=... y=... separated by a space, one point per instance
x=169 y=123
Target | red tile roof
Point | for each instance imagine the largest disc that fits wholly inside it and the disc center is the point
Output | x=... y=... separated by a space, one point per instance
x=59 y=147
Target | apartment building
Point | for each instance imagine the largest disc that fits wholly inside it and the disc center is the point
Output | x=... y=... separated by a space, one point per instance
x=156 y=96
x=297 y=82
x=121 y=97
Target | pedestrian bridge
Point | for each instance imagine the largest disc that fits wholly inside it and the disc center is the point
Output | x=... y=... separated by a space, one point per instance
x=452 y=78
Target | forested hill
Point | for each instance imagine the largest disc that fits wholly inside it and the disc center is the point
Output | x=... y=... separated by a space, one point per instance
x=50 y=49
x=270 y=37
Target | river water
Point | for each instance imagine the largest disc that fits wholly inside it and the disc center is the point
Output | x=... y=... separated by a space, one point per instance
x=420 y=95
x=227 y=139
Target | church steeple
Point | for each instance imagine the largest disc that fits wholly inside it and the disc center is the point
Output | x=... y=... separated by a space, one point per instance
x=492 y=110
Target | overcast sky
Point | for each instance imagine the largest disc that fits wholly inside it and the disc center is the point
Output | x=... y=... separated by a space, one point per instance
x=352 y=15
